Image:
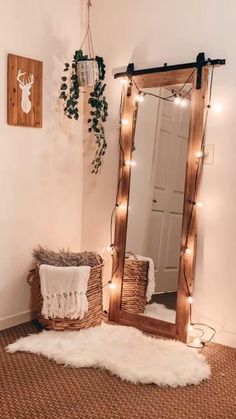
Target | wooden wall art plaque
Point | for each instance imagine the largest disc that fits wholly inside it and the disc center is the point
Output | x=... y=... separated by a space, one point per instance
x=24 y=91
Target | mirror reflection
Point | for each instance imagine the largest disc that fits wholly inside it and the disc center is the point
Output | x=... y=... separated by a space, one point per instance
x=150 y=281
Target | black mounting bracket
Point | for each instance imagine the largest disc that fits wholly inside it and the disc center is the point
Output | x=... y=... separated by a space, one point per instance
x=200 y=62
x=130 y=71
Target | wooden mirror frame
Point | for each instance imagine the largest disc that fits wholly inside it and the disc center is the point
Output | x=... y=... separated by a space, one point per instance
x=189 y=232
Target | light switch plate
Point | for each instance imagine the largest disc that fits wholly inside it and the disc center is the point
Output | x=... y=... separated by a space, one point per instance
x=209 y=151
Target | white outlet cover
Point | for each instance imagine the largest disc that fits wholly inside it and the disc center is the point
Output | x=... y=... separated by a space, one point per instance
x=209 y=151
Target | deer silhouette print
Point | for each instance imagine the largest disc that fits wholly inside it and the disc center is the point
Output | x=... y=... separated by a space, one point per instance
x=25 y=87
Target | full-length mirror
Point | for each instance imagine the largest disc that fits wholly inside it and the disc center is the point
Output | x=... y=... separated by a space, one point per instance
x=156 y=200
x=162 y=131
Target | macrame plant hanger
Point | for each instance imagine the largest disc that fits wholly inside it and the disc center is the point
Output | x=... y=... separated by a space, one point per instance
x=88 y=34
x=87 y=68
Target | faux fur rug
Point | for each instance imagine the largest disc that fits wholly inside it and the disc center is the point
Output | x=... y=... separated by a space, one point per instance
x=159 y=311
x=124 y=351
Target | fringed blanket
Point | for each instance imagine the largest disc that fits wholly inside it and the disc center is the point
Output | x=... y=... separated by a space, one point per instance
x=151 y=274
x=64 y=291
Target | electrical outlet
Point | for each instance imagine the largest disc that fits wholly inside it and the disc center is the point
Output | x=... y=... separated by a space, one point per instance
x=209 y=151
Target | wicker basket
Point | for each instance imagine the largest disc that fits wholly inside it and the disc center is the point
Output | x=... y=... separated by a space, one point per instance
x=134 y=285
x=94 y=315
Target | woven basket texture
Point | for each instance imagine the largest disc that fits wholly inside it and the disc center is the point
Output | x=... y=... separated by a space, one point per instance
x=94 y=316
x=134 y=285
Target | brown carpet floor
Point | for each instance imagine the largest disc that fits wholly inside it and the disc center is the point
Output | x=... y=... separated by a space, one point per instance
x=32 y=387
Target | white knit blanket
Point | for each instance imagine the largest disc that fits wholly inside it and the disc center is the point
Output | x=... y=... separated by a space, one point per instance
x=64 y=291
x=151 y=275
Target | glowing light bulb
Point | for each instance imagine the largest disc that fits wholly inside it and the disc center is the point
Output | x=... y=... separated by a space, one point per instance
x=177 y=100
x=188 y=251
x=199 y=154
x=122 y=207
x=140 y=97
x=217 y=107
x=109 y=248
x=183 y=103
x=124 y=80
x=190 y=299
x=111 y=285
x=130 y=163
x=124 y=122
x=199 y=204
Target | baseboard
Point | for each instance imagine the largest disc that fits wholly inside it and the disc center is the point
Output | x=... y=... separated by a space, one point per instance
x=225 y=338
x=15 y=319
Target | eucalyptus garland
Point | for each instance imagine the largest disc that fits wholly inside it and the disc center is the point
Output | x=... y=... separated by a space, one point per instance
x=70 y=92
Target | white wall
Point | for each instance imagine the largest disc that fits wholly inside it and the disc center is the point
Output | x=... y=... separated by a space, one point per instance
x=40 y=169
x=150 y=33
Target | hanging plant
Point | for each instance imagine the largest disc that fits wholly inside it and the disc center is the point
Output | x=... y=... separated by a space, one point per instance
x=87 y=70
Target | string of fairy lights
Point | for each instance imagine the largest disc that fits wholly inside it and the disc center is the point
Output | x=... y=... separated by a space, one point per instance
x=178 y=97
x=112 y=248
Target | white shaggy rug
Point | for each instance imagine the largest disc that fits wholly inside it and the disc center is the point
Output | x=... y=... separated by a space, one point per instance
x=159 y=311
x=124 y=351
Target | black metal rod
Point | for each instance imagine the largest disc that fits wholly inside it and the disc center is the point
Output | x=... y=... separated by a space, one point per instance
x=215 y=62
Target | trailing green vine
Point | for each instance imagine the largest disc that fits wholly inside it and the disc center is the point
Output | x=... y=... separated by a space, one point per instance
x=70 y=92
